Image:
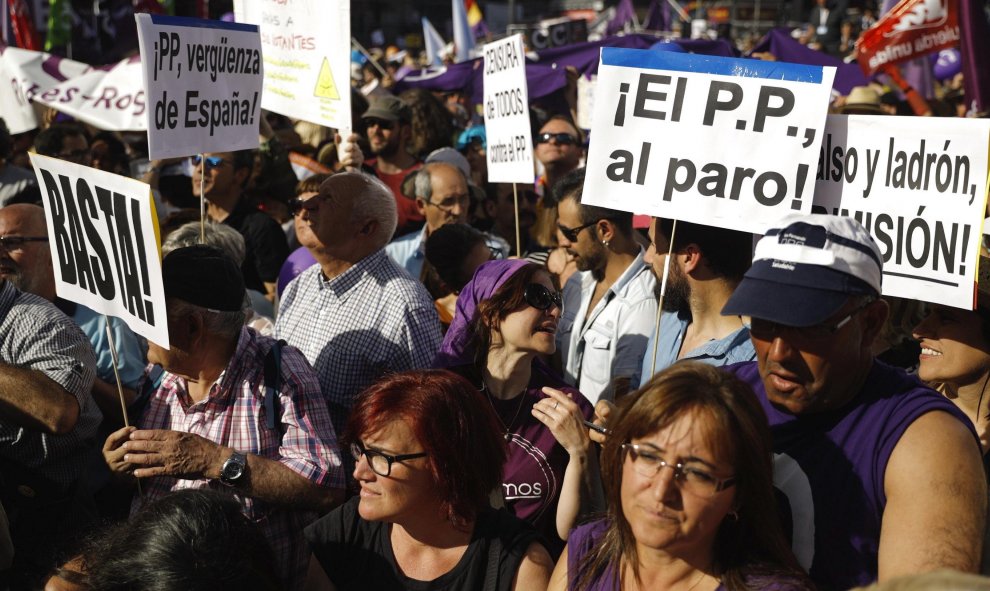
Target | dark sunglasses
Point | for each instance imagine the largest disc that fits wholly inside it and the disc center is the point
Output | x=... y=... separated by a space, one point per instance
x=572 y=233
x=380 y=123
x=11 y=243
x=541 y=297
x=211 y=161
x=564 y=139
x=296 y=205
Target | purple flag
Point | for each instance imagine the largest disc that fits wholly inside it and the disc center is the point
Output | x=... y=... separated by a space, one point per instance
x=657 y=18
x=625 y=17
x=974 y=45
x=780 y=43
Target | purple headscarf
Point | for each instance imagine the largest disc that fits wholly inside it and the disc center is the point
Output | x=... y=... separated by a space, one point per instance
x=487 y=278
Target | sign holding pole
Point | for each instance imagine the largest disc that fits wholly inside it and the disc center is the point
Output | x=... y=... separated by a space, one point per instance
x=203 y=82
x=102 y=235
x=719 y=141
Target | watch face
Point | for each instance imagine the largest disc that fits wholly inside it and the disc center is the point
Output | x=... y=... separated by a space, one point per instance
x=233 y=468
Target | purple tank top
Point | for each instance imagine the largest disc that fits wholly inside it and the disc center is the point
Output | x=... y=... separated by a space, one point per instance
x=830 y=467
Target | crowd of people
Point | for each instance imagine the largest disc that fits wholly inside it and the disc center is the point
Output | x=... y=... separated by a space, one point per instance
x=387 y=372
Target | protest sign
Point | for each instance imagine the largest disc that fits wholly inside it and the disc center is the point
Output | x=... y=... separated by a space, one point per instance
x=104 y=251
x=719 y=141
x=910 y=29
x=110 y=98
x=203 y=84
x=306 y=45
x=510 y=138
x=27 y=74
x=918 y=185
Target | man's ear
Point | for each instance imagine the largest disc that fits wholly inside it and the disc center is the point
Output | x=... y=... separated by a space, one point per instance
x=421 y=206
x=241 y=176
x=606 y=230
x=874 y=318
x=368 y=228
x=690 y=257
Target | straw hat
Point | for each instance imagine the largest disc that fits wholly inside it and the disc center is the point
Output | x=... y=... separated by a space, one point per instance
x=862 y=100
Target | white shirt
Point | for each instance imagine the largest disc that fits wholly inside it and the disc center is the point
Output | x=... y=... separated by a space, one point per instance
x=609 y=342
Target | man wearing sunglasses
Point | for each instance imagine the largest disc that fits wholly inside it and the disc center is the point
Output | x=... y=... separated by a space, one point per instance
x=883 y=476
x=558 y=149
x=609 y=308
x=224 y=176
x=389 y=131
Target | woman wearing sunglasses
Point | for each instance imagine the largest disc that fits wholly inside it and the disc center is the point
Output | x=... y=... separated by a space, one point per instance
x=687 y=472
x=505 y=322
x=427 y=454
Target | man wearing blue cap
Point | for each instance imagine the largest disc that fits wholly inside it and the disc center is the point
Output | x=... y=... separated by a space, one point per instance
x=882 y=475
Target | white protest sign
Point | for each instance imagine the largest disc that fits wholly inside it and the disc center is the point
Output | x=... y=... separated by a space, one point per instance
x=509 y=136
x=110 y=98
x=725 y=142
x=27 y=74
x=104 y=249
x=918 y=185
x=307 y=53
x=203 y=83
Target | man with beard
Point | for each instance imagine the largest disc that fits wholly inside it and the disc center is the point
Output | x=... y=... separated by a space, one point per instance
x=609 y=308
x=707 y=265
x=389 y=131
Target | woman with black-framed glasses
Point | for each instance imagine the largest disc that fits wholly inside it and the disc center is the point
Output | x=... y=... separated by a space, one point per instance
x=427 y=456
x=505 y=322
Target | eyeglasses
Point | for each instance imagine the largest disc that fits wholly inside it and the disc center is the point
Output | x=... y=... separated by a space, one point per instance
x=692 y=480
x=16 y=243
x=212 y=162
x=381 y=463
x=296 y=205
x=541 y=297
x=74 y=156
x=379 y=123
x=564 y=139
x=448 y=204
x=572 y=233
x=766 y=330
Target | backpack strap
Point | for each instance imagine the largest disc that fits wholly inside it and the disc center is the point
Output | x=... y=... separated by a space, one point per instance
x=273 y=369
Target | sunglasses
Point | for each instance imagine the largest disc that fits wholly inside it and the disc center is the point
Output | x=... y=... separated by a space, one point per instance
x=541 y=297
x=572 y=233
x=212 y=162
x=564 y=139
x=296 y=205
x=380 y=123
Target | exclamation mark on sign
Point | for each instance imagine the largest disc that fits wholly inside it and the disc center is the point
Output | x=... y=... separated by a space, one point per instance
x=802 y=176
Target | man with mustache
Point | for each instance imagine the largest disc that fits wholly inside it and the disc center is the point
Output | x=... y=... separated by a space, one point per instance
x=883 y=476
x=609 y=309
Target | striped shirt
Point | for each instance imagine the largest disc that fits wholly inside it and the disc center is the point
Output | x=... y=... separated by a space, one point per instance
x=35 y=335
x=233 y=415
x=370 y=320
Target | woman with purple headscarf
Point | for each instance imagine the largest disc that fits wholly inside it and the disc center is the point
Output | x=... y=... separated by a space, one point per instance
x=506 y=320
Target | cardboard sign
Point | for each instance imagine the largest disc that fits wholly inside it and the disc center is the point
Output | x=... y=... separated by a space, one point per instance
x=28 y=74
x=102 y=235
x=307 y=49
x=108 y=98
x=510 y=137
x=203 y=81
x=725 y=142
x=919 y=185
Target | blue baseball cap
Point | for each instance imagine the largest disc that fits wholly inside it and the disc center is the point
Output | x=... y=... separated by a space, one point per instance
x=472 y=135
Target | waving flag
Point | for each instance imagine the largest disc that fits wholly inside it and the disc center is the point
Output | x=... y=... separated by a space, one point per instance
x=911 y=29
x=434 y=43
x=463 y=36
x=475 y=19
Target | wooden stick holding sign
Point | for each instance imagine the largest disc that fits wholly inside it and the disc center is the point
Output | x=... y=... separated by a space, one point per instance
x=663 y=289
x=202 y=198
x=116 y=371
x=515 y=200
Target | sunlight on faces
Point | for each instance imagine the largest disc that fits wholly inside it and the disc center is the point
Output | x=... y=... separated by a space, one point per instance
x=304 y=233
x=450 y=200
x=661 y=515
x=217 y=180
x=529 y=329
x=553 y=152
x=36 y=257
x=953 y=348
x=409 y=488
x=587 y=250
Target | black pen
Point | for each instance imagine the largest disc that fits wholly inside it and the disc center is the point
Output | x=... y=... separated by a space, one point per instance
x=595 y=427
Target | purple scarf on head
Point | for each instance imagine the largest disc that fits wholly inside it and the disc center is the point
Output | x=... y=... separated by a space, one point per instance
x=456 y=349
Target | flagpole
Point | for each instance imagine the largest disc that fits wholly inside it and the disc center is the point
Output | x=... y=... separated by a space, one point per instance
x=364 y=51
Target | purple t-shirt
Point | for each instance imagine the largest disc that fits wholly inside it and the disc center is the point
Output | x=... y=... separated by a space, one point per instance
x=831 y=465
x=534 y=470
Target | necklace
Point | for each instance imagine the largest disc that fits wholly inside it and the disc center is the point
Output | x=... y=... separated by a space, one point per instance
x=507 y=434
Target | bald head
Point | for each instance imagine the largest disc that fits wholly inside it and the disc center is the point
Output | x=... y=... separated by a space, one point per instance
x=27 y=264
x=353 y=215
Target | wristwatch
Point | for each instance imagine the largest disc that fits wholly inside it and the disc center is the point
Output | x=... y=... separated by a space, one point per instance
x=233 y=469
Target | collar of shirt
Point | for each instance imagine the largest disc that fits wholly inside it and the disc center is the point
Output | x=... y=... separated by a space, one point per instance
x=238 y=369
x=340 y=285
x=635 y=267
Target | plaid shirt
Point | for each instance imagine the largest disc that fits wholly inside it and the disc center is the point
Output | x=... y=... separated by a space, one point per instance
x=370 y=320
x=233 y=415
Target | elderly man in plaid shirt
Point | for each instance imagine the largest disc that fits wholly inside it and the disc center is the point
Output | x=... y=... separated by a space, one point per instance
x=211 y=423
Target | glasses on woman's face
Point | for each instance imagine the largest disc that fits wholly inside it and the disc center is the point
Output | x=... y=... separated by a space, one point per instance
x=694 y=479
x=542 y=298
x=212 y=162
x=380 y=463
x=296 y=205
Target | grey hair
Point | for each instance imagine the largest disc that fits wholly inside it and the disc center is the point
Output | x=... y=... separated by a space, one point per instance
x=423 y=183
x=220 y=236
x=221 y=323
x=375 y=202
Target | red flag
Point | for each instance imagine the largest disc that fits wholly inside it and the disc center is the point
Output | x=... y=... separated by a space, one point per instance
x=911 y=29
x=20 y=21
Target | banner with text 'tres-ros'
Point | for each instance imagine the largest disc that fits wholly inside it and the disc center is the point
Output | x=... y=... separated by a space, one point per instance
x=725 y=142
x=306 y=46
x=203 y=83
x=101 y=232
x=507 y=128
x=110 y=98
x=919 y=186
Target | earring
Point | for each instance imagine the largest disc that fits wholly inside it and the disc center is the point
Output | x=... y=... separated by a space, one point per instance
x=734 y=515
x=605 y=243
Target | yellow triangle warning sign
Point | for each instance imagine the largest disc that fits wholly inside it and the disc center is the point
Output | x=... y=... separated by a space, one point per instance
x=325 y=87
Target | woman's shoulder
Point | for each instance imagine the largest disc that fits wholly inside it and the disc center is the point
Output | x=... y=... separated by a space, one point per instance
x=586 y=536
x=343 y=526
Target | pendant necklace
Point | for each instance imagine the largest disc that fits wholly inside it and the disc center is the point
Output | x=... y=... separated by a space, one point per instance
x=507 y=434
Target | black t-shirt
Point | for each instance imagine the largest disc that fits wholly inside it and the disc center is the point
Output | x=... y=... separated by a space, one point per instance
x=265 y=244
x=357 y=554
